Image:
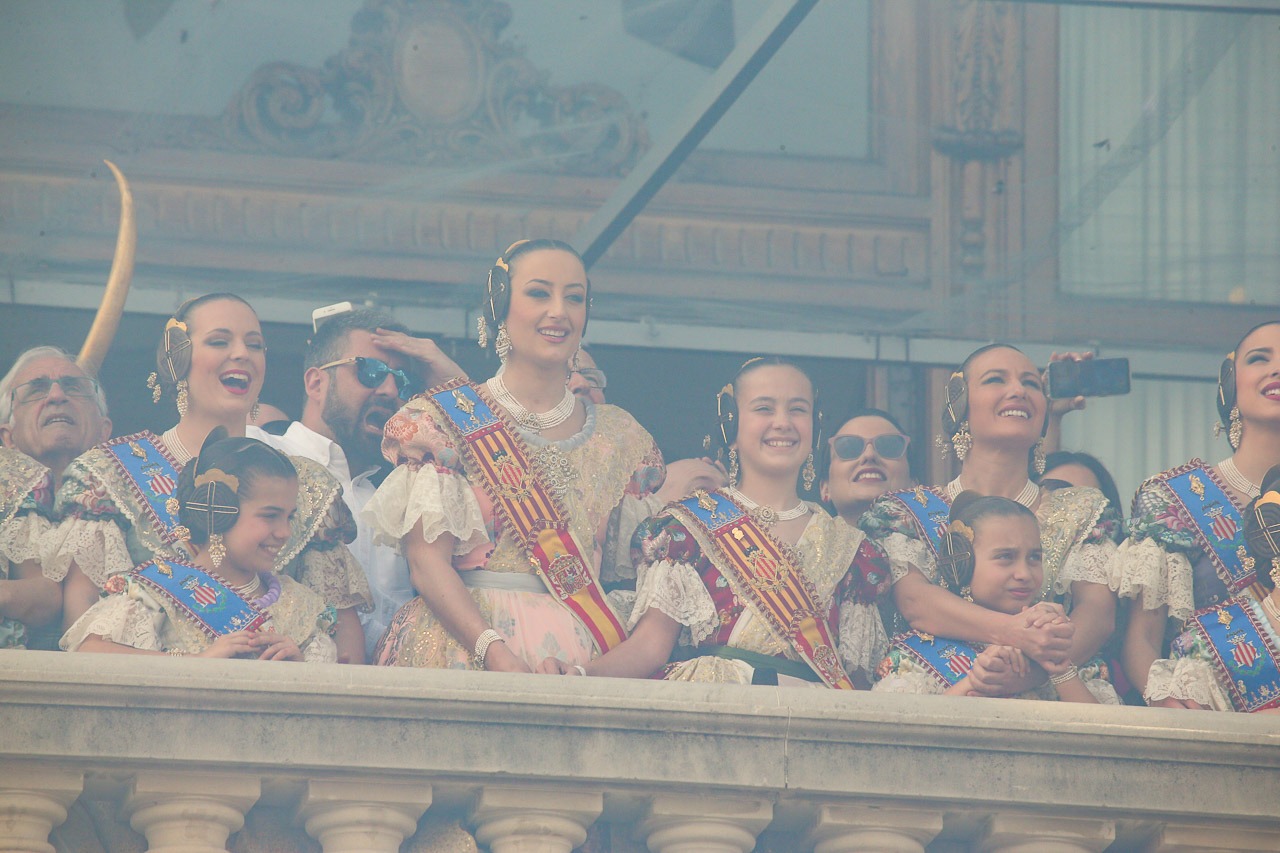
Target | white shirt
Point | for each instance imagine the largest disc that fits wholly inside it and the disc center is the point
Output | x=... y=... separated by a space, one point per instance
x=387 y=571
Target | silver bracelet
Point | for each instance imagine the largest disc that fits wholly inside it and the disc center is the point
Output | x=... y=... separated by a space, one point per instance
x=486 y=639
x=580 y=669
x=1063 y=677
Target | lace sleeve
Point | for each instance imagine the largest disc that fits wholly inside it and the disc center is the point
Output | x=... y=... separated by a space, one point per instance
x=863 y=642
x=1187 y=674
x=1141 y=569
x=91 y=528
x=1088 y=563
x=678 y=591
x=887 y=525
x=440 y=498
x=23 y=538
x=130 y=618
x=616 y=565
x=897 y=673
x=320 y=649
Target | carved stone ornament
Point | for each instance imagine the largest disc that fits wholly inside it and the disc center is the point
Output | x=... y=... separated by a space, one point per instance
x=982 y=64
x=429 y=82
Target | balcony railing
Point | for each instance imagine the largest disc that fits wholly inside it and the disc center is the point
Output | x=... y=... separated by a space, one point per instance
x=361 y=758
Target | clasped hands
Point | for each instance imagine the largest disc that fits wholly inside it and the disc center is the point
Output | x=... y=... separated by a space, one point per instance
x=263 y=645
x=1040 y=634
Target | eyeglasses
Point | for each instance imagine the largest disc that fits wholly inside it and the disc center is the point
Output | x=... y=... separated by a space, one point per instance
x=372 y=372
x=39 y=388
x=593 y=376
x=891 y=445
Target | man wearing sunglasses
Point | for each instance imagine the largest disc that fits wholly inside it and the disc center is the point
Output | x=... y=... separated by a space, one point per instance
x=50 y=412
x=361 y=366
x=866 y=458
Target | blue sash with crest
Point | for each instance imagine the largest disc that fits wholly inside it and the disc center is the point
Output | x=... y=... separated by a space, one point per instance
x=1243 y=653
x=152 y=474
x=928 y=508
x=203 y=597
x=945 y=659
x=1218 y=524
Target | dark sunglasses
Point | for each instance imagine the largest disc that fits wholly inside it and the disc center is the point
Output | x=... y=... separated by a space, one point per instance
x=38 y=389
x=891 y=445
x=372 y=372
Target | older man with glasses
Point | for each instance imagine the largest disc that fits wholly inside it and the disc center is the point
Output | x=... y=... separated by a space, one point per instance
x=361 y=366
x=50 y=413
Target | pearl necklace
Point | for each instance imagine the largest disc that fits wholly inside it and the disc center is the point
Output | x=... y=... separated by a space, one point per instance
x=1027 y=497
x=1232 y=477
x=179 y=450
x=767 y=516
x=251 y=590
x=527 y=419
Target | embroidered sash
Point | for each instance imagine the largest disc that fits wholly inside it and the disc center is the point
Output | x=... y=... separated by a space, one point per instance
x=945 y=659
x=528 y=507
x=928 y=509
x=152 y=475
x=205 y=599
x=1217 y=521
x=1243 y=654
x=767 y=578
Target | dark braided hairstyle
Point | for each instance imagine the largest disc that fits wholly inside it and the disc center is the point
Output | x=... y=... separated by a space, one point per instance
x=213 y=484
x=173 y=352
x=956 y=556
x=1262 y=530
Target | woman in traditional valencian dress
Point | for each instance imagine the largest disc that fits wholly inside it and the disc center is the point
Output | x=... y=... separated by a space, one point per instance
x=116 y=505
x=1185 y=549
x=991 y=555
x=509 y=496
x=994 y=419
x=736 y=576
x=26 y=505
x=235 y=503
x=1228 y=659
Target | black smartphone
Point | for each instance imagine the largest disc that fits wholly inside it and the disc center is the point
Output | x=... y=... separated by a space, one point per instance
x=1094 y=377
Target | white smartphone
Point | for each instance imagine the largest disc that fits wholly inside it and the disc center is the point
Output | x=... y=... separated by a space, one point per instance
x=319 y=315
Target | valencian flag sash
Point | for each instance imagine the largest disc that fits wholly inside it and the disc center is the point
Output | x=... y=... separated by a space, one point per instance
x=202 y=596
x=945 y=659
x=528 y=507
x=1243 y=653
x=929 y=510
x=768 y=579
x=152 y=474
x=1217 y=521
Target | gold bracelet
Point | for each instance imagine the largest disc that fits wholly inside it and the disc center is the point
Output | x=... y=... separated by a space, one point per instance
x=1063 y=677
x=177 y=653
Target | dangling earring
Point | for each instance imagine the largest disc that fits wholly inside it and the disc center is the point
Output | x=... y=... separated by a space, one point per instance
x=183 y=399
x=1039 y=459
x=502 y=343
x=966 y=593
x=153 y=383
x=482 y=332
x=574 y=361
x=216 y=550
x=1236 y=432
x=733 y=467
x=808 y=473
x=1275 y=571
x=962 y=441
x=254 y=411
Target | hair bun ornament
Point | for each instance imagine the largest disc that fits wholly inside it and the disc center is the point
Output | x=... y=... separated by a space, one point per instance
x=216 y=475
x=1262 y=519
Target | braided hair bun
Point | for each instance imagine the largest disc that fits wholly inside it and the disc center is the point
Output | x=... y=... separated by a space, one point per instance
x=212 y=486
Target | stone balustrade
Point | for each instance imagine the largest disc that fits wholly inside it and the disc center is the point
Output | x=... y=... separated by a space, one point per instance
x=184 y=753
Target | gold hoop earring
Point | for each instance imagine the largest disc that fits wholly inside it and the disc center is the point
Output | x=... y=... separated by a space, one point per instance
x=1235 y=434
x=733 y=467
x=1040 y=459
x=217 y=550
x=183 y=400
x=502 y=343
x=482 y=332
x=808 y=473
x=962 y=441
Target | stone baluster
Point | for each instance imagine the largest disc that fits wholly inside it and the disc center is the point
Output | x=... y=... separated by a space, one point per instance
x=534 y=820
x=1035 y=833
x=700 y=824
x=362 y=815
x=848 y=828
x=33 y=800
x=1192 y=838
x=189 y=812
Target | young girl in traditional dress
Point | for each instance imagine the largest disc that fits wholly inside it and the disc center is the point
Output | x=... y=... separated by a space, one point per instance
x=755 y=584
x=236 y=500
x=991 y=556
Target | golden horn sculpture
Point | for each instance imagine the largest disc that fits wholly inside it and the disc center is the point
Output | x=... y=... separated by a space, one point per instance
x=107 y=320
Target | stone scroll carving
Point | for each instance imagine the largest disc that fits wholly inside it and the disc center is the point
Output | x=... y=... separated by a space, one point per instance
x=984 y=65
x=431 y=82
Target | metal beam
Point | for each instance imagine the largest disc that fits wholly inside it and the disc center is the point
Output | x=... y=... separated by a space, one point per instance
x=717 y=96
x=1237 y=7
